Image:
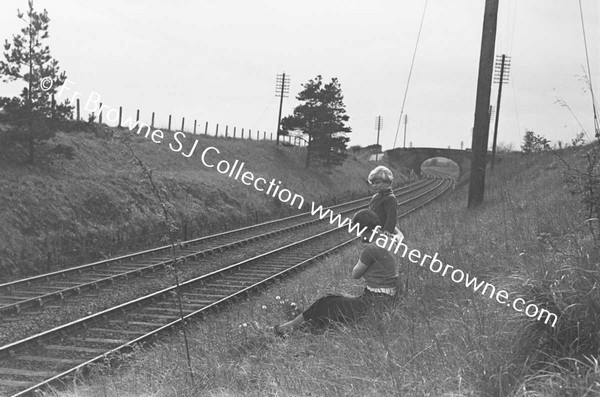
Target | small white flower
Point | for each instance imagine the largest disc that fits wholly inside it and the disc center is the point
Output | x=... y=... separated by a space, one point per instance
x=244 y=325
x=292 y=304
x=278 y=297
x=264 y=307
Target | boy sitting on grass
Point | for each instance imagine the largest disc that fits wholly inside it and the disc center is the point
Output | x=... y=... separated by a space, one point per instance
x=380 y=272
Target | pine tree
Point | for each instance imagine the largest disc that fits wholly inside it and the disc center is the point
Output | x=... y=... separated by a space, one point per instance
x=322 y=117
x=28 y=59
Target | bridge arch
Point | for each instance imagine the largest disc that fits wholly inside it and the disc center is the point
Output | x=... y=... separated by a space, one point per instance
x=413 y=158
x=448 y=166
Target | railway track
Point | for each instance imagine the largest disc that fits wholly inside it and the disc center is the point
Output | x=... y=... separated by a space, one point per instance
x=36 y=291
x=55 y=354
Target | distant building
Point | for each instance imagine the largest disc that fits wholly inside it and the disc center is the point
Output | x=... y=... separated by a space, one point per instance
x=376 y=157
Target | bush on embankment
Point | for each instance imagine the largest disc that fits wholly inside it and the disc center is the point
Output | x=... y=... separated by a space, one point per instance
x=63 y=212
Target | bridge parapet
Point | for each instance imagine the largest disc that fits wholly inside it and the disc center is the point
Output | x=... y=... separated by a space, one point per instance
x=413 y=158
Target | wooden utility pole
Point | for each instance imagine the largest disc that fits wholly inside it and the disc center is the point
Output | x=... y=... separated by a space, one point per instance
x=481 y=124
x=378 y=125
x=501 y=78
x=283 y=87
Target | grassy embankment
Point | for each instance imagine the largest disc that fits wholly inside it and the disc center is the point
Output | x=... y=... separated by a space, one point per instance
x=61 y=213
x=442 y=340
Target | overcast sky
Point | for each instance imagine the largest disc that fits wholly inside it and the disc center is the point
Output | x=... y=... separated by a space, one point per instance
x=217 y=61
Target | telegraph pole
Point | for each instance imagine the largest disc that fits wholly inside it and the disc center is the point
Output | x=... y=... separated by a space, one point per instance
x=379 y=126
x=405 y=122
x=282 y=87
x=501 y=77
x=481 y=124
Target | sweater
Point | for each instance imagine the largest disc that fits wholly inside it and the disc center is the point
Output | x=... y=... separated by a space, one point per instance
x=385 y=205
x=382 y=271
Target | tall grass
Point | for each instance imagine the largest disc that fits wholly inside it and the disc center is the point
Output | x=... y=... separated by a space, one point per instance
x=440 y=339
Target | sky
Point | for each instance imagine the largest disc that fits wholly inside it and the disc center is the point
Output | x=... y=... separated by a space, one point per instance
x=217 y=62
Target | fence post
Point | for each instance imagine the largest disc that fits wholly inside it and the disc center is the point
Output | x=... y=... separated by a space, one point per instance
x=226 y=131
x=152 y=123
x=182 y=123
x=217 y=130
x=120 y=114
x=233 y=132
x=169 y=129
x=257 y=135
x=250 y=134
x=206 y=128
x=100 y=117
x=271 y=136
x=195 y=127
x=78 y=110
x=52 y=107
x=264 y=135
x=137 y=116
x=242 y=133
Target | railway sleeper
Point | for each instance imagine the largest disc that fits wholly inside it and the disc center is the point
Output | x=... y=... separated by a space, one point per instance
x=203 y=295
x=67 y=283
x=170 y=309
x=228 y=287
x=44 y=359
x=15 y=383
x=79 y=349
x=25 y=293
x=143 y=315
x=171 y=304
x=116 y=331
x=106 y=341
x=248 y=277
x=137 y=323
x=258 y=273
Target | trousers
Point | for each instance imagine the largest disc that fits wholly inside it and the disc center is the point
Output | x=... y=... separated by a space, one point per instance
x=344 y=309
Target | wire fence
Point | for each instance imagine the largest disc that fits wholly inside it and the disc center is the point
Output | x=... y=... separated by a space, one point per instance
x=195 y=128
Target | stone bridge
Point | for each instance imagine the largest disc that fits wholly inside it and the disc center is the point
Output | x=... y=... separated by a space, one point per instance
x=413 y=158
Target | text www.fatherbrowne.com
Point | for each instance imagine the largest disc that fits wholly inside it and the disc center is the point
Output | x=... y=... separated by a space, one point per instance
x=394 y=244
x=275 y=190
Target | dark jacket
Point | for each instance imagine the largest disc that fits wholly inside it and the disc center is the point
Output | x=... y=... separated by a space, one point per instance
x=385 y=206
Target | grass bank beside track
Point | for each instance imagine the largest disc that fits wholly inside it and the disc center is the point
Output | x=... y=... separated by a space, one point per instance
x=97 y=205
x=443 y=339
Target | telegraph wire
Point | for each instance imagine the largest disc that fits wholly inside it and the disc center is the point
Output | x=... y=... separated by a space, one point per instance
x=410 y=73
